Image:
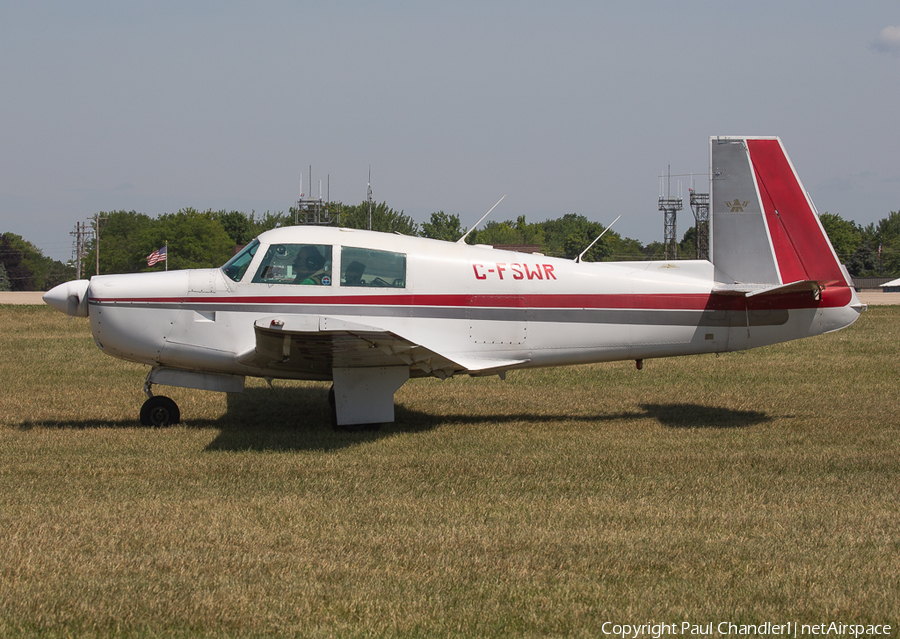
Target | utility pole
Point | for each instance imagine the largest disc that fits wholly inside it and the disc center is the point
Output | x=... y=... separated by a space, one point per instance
x=369 y=197
x=97 y=219
x=80 y=234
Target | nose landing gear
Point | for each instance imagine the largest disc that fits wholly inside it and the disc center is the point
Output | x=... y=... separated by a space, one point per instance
x=158 y=410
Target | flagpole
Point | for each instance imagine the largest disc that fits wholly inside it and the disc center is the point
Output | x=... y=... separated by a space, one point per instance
x=167 y=255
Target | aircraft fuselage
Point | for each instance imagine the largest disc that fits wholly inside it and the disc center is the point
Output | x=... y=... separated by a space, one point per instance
x=471 y=302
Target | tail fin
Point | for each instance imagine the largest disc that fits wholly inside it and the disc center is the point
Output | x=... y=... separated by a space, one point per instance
x=765 y=229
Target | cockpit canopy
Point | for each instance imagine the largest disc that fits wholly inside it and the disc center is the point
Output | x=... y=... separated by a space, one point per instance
x=312 y=264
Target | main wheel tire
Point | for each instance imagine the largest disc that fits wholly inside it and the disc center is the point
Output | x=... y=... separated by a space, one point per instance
x=160 y=411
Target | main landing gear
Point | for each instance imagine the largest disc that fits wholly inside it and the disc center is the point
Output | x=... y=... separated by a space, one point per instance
x=159 y=411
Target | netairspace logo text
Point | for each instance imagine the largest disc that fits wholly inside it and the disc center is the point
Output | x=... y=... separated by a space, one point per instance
x=726 y=628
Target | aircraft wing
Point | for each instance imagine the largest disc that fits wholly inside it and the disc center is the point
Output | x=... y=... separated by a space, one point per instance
x=317 y=344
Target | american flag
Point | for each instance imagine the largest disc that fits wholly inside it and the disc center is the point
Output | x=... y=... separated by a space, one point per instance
x=157 y=256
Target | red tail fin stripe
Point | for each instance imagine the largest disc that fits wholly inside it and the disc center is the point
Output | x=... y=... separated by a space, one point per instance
x=801 y=247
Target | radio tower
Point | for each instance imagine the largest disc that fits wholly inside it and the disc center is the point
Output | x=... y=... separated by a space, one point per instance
x=700 y=207
x=670 y=206
x=315 y=211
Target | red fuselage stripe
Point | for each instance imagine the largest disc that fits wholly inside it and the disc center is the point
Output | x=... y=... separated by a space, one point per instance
x=831 y=297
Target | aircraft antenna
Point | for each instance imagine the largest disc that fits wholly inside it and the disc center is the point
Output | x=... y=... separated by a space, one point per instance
x=578 y=259
x=462 y=240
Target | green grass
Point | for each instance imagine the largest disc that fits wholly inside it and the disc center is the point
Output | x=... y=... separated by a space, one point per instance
x=750 y=487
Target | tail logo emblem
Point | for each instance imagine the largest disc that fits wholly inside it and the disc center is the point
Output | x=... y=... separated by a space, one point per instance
x=736 y=205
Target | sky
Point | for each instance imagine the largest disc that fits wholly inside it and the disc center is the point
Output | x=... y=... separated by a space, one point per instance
x=565 y=107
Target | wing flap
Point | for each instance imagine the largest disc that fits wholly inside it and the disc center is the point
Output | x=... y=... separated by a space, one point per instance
x=316 y=345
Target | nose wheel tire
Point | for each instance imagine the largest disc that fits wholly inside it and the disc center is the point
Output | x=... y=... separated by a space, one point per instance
x=160 y=411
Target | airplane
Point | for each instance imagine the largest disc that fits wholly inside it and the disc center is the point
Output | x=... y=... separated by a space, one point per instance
x=368 y=310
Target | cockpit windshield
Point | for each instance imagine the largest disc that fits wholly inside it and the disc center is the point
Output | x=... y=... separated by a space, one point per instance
x=237 y=265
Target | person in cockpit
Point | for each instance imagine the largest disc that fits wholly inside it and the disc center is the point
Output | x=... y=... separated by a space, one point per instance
x=309 y=267
x=353 y=274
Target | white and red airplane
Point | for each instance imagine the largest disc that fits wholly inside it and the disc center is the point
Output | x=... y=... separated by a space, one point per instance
x=369 y=310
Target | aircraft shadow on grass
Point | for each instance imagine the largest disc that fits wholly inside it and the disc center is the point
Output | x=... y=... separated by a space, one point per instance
x=299 y=419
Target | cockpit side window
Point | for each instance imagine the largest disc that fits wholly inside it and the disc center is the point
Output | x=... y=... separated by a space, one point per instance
x=368 y=267
x=237 y=265
x=307 y=264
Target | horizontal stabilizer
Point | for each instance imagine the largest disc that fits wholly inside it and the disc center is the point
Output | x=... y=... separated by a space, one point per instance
x=752 y=290
x=796 y=287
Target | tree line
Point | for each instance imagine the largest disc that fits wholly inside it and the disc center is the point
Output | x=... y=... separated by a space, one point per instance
x=867 y=251
x=203 y=239
x=23 y=267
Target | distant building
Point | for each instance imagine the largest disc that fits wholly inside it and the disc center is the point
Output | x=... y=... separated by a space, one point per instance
x=891 y=287
x=869 y=283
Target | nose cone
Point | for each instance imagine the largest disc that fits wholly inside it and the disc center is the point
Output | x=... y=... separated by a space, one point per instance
x=69 y=298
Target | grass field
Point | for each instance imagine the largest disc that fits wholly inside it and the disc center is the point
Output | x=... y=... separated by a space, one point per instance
x=751 y=487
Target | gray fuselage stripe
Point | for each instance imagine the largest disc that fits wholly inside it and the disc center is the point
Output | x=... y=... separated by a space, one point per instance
x=649 y=317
